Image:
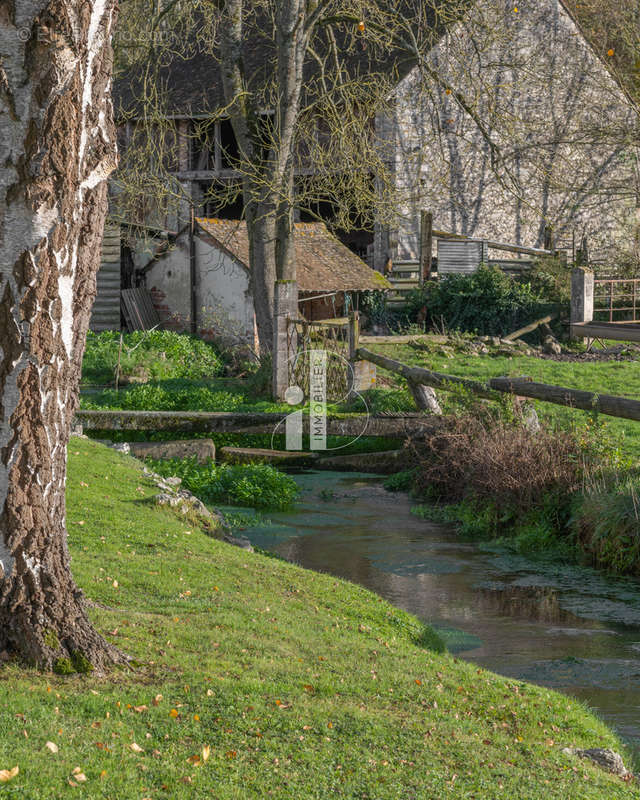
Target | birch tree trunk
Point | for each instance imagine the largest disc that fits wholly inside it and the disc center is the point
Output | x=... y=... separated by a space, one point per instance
x=56 y=150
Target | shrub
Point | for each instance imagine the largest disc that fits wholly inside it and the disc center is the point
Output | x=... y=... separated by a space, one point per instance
x=487 y=302
x=487 y=460
x=250 y=485
x=550 y=278
x=606 y=524
x=161 y=354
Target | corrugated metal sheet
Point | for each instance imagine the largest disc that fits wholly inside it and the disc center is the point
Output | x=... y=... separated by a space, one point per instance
x=105 y=315
x=139 y=312
x=455 y=255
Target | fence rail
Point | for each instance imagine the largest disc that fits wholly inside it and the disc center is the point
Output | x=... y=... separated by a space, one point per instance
x=614 y=292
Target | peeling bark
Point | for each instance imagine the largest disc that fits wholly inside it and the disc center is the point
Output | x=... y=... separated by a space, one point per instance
x=56 y=150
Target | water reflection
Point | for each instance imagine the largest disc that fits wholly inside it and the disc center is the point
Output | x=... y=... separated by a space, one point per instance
x=558 y=625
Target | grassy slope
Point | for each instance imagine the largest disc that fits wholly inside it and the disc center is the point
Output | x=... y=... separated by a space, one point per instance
x=613 y=377
x=303 y=686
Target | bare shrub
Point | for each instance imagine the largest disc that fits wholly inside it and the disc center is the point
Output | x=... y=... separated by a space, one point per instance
x=488 y=458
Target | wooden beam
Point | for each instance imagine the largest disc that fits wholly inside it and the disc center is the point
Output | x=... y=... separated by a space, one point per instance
x=608 y=404
x=426 y=245
x=529 y=328
x=426 y=377
x=618 y=331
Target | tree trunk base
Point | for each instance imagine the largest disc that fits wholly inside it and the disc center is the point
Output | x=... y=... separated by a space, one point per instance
x=61 y=640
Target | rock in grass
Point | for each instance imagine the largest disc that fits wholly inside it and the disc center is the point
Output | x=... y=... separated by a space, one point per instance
x=608 y=760
x=202 y=449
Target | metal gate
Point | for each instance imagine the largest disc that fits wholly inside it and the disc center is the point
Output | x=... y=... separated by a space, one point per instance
x=333 y=338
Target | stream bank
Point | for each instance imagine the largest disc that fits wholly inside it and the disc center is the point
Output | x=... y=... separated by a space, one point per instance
x=558 y=625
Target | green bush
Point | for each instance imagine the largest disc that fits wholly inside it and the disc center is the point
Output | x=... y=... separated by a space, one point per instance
x=249 y=485
x=606 y=524
x=487 y=302
x=160 y=354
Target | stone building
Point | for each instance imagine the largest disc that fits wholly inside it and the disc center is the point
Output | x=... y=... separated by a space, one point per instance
x=512 y=123
x=330 y=278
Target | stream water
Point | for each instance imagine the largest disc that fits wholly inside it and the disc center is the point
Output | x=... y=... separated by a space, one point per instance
x=559 y=625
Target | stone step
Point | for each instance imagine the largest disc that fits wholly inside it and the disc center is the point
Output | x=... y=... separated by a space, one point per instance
x=203 y=449
x=252 y=455
x=386 y=462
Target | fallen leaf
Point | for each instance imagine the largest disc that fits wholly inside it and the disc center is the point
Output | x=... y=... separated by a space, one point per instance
x=195 y=760
x=206 y=752
x=196 y=718
x=52 y=746
x=173 y=713
x=156 y=700
x=79 y=775
x=209 y=693
x=115 y=584
x=136 y=748
x=8 y=774
x=140 y=709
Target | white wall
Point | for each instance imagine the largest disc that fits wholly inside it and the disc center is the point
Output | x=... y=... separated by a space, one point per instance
x=225 y=304
x=223 y=299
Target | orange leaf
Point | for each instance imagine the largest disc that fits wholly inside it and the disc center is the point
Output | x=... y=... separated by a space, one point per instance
x=173 y=713
x=8 y=774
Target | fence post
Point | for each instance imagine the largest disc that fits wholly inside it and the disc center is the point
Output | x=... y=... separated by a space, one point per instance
x=426 y=245
x=285 y=308
x=582 y=282
x=364 y=373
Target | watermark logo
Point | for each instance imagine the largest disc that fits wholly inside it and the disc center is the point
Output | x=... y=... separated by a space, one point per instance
x=318 y=361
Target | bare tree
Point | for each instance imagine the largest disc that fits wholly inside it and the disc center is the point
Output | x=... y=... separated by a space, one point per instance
x=303 y=81
x=57 y=149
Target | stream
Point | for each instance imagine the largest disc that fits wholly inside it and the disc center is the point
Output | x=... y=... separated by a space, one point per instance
x=559 y=625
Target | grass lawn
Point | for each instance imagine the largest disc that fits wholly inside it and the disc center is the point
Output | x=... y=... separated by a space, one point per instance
x=302 y=686
x=612 y=377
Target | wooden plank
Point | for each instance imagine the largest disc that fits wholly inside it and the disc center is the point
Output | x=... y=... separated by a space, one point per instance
x=139 y=311
x=404 y=339
x=529 y=328
x=623 y=332
x=611 y=405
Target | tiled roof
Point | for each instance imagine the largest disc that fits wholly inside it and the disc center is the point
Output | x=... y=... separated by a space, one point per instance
x=323 y=263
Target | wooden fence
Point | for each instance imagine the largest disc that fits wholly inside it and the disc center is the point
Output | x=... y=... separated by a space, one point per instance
x=608 y=296
x=611 y=405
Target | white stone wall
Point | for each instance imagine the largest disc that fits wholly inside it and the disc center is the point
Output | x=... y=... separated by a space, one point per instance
x=554 y=113
x=224 y=302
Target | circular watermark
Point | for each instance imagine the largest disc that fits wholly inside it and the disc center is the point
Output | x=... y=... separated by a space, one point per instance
x=24 y=34
x=294 y=395
x=317 y=400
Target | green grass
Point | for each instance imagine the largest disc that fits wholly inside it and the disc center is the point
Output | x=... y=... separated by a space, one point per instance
x=612 y=377
x=303 y=686
x=157 y=355
x=247 y=485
